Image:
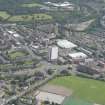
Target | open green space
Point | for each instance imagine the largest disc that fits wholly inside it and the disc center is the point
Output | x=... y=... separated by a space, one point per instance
x=32 y=5
x=5 y=66
x=74 y=101
x=14 y=55
x=3 y=15
x=28 y=18
x=85 y=89
x=18 y=64
x=28 y=62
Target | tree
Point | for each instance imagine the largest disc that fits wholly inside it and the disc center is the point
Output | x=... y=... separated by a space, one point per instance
x=1 y=18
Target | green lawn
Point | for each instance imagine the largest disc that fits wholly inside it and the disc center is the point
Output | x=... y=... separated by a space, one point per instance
x=5 y=66
x=4 y=15
x=14 y=55
x=74 y=101
x=85 y=89
x=28 y=62
x=32 y=5
x=27 y=18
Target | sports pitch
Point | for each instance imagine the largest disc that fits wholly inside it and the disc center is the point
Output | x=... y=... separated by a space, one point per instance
x=75 y=101
x=86 y=89
x=28 y=18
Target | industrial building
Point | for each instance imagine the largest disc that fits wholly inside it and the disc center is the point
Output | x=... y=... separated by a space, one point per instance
x=91 y=67
x=78 y=56
x=65 y=47
x=65 y=44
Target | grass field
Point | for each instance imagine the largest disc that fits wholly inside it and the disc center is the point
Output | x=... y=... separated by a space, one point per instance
x=28 y=62
x=5 y=66
x=4 y=15
x=27 y=18
x=85 y=89
x=32 y=5
x=75 y=101
x=14 y=55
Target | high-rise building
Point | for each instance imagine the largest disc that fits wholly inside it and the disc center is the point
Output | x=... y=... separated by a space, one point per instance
x=53 y=53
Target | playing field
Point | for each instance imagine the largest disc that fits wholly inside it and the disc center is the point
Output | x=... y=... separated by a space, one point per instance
x=85 y=89
x=14 y=55
x=75 y=101
x=4 y=15
x=28 y=18
x=32 y=5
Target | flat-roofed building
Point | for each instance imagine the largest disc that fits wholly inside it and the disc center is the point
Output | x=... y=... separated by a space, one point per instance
x=78 y=56
x=66 y=44
x=91 y=68
x=65 y=47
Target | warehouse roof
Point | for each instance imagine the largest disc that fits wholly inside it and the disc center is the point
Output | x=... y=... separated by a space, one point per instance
x=65 y=44
x=78 y=55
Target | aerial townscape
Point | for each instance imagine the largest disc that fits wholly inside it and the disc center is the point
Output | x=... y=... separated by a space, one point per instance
x=52 y=52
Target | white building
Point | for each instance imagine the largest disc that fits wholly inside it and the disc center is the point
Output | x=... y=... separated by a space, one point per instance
x=53 y=53
x=66 y=44
x=78 y=56
x=64 y=4
x=97 y=104
x=65 y=47
x=13 y=33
